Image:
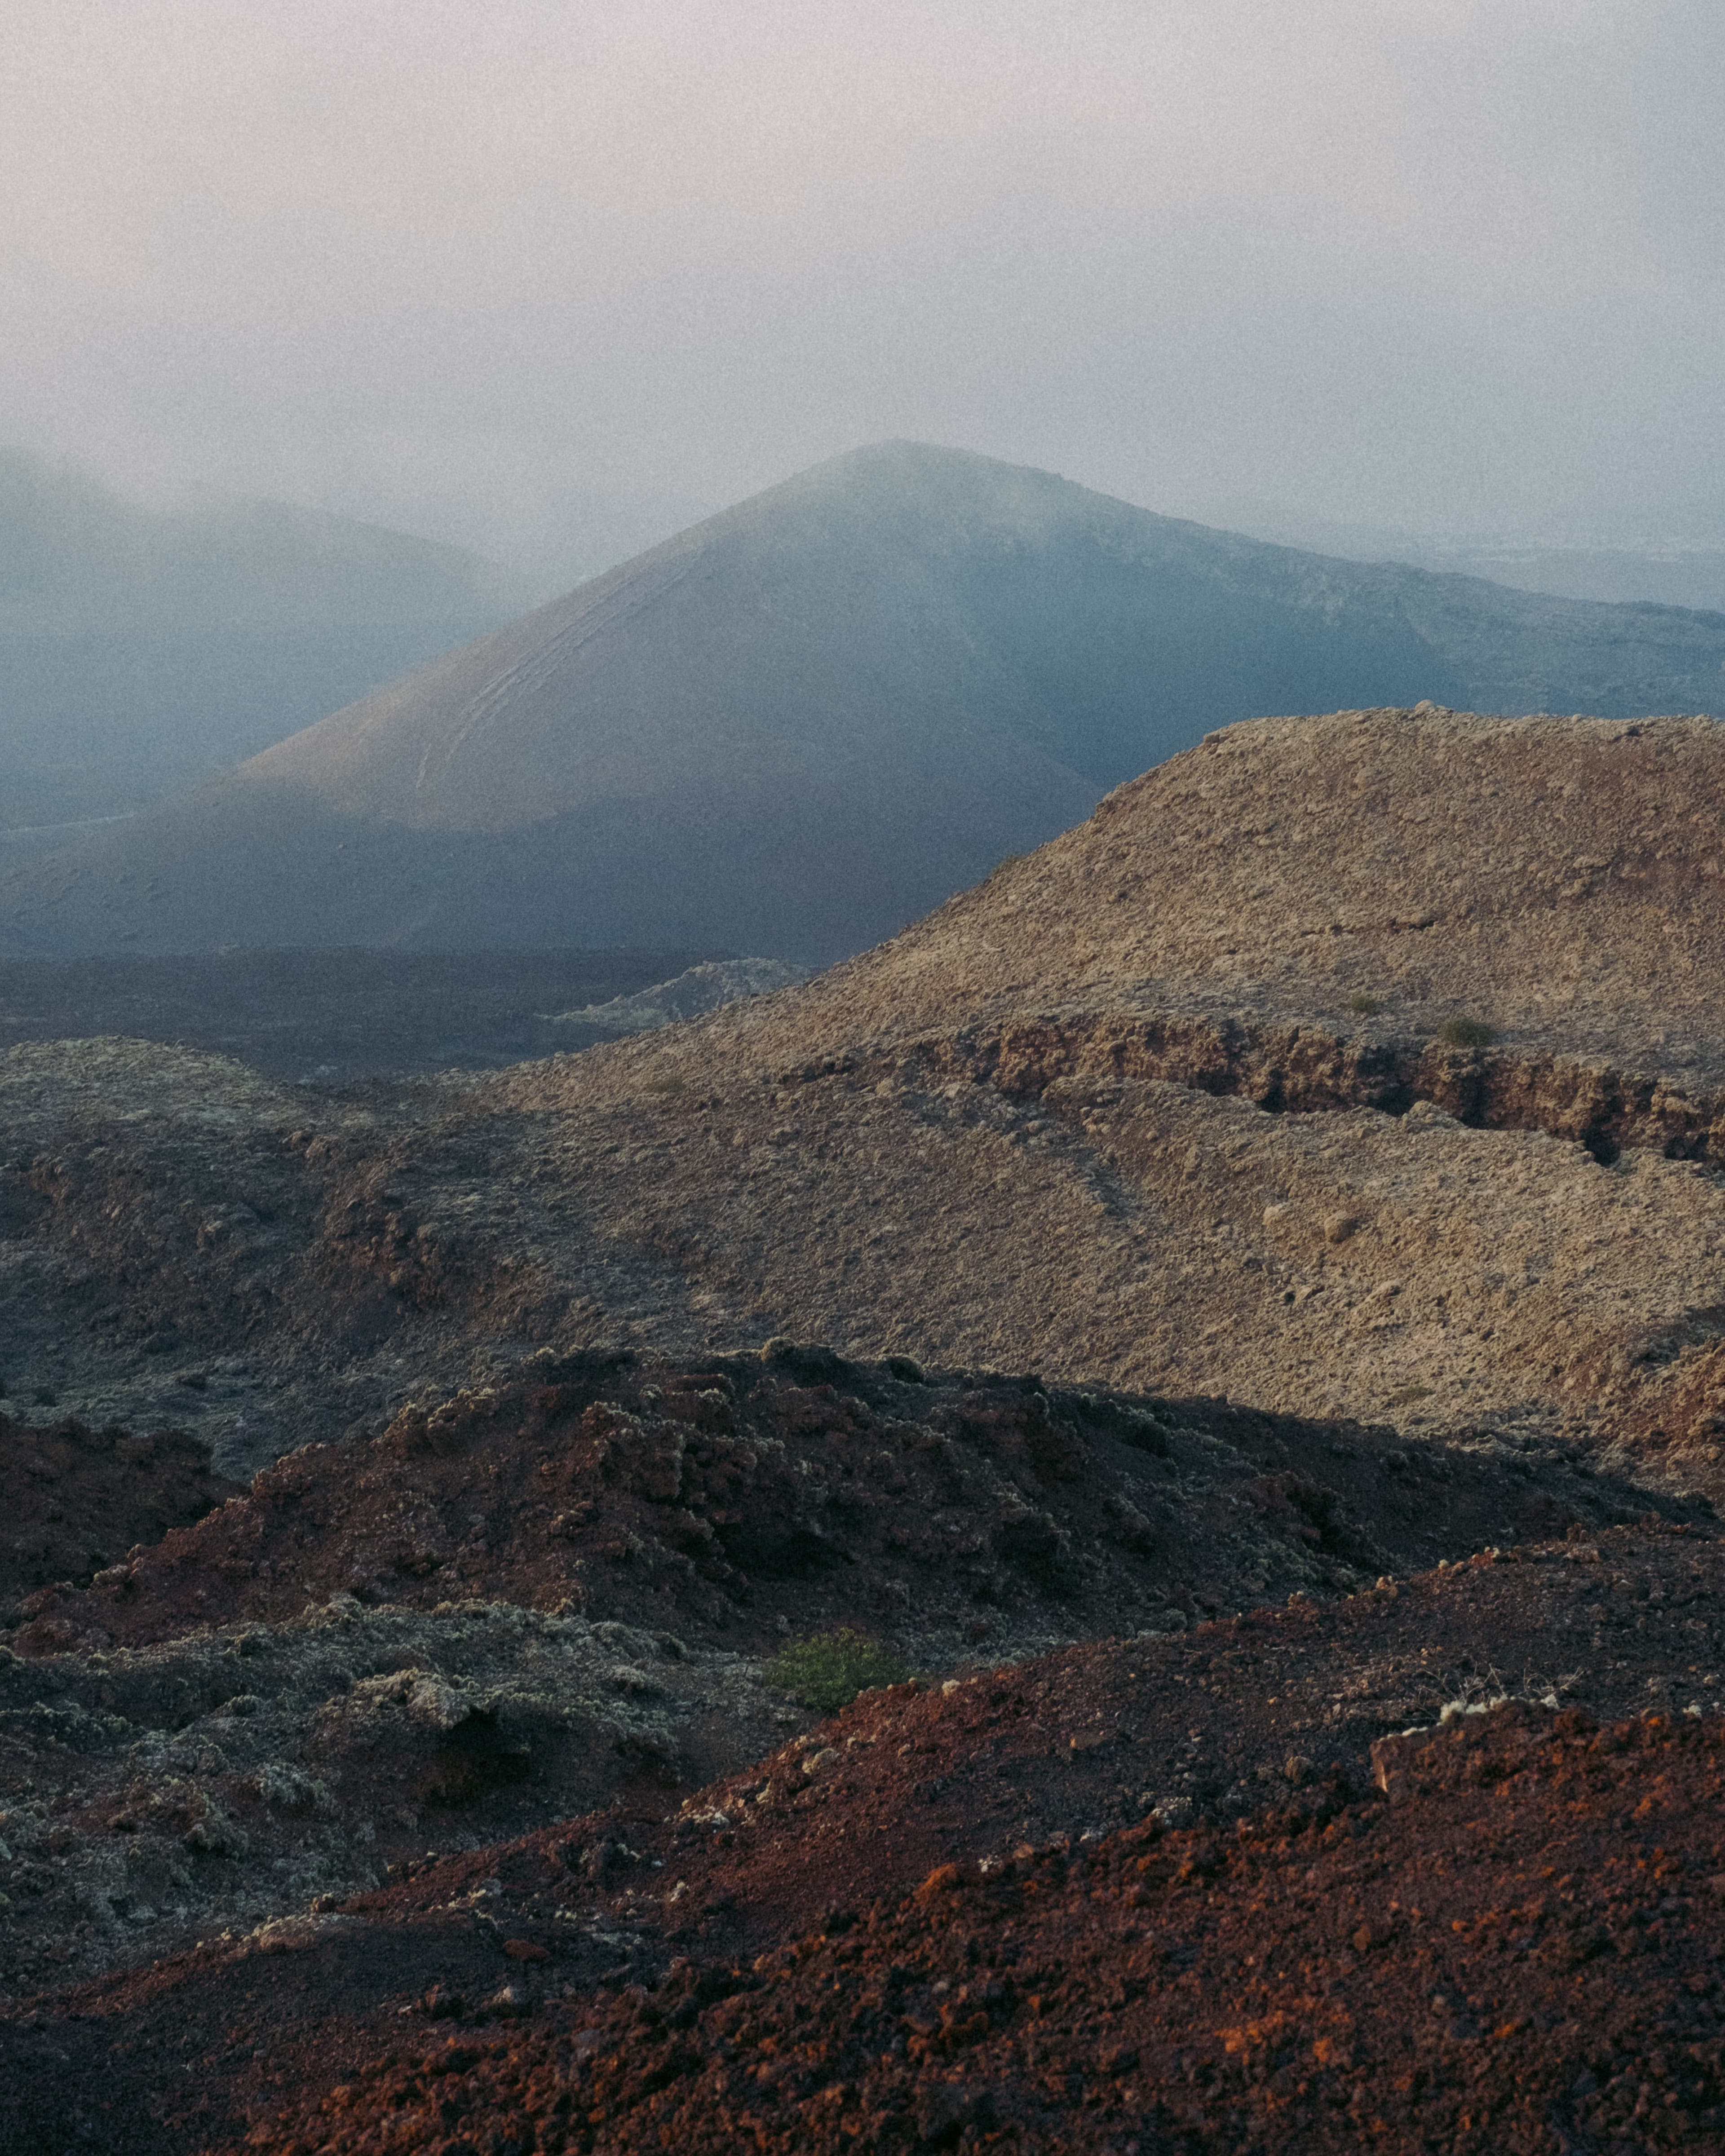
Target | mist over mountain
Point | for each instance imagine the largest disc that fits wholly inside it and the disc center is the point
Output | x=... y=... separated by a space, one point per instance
x=141 y=650
x=797 y=726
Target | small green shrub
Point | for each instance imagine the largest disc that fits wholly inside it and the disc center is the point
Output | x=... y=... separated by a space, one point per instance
x=1364 y=1004
x=1466 y=1033
x=828 y=1670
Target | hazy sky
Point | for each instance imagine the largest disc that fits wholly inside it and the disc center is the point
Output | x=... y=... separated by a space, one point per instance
x=555 y=277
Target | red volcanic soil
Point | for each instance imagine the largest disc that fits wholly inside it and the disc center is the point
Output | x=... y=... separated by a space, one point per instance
x=1540 y=1933
x=735 y=1500
x=74 y=1500
x=1514 y=1947
x=1216 y=1724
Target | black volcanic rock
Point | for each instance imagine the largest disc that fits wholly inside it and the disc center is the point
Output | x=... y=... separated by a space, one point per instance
x=797 y=726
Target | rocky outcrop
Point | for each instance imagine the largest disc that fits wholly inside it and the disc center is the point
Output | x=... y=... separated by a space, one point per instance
x=1295 y=1069
x=78 y=1500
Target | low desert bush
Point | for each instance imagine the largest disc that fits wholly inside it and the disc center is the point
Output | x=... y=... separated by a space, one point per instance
x=828 y=1670
x=1466 y=1033
x=1364 y=1004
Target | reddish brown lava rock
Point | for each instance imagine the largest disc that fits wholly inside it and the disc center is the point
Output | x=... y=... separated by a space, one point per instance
x=921 y=1799
x=1522 y=1954
x=1212 y=1725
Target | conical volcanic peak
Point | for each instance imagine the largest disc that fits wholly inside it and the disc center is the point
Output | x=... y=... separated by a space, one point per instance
x=805 y=636
x=801 y=724
x=829 y=618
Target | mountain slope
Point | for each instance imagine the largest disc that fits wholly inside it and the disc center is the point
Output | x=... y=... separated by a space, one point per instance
x=797 y=726
x=1560 y=880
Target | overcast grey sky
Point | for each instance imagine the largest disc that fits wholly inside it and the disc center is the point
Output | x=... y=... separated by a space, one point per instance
x=554 y=278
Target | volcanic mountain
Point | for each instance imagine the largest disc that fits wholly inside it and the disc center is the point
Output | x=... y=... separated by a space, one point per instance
x=800 y=724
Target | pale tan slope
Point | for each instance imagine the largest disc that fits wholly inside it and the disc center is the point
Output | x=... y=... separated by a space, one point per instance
x=1561 y=878
x=315 y=1264
x=1143 y=1234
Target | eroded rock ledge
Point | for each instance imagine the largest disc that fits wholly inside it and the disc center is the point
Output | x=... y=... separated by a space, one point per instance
x=1294 y=1067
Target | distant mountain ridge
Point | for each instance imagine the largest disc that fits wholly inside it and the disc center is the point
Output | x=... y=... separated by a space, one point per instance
x=801 y=723
x=1669 y=572
x=142 y=649
x=71 y=549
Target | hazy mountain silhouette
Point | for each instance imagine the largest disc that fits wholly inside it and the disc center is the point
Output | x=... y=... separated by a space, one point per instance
x=801 y=724
x=142 y=650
